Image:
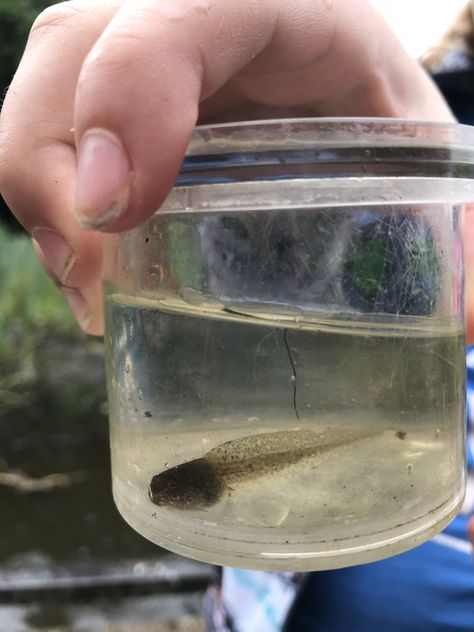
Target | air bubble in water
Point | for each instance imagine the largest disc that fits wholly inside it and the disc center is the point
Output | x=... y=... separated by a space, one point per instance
x=270 y=512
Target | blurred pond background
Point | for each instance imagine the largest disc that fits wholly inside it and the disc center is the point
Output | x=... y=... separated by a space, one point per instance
x=67 y=559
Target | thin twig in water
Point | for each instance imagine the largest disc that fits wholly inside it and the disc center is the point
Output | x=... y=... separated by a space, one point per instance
x=293 y=377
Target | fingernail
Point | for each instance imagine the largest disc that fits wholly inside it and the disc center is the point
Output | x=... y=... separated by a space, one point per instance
x=78 y=306
x=58 y=252
x=103 y=177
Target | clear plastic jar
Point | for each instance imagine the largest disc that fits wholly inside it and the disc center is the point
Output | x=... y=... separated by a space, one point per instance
x=285 y=345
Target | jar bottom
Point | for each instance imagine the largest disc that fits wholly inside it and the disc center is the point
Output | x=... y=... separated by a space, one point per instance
x=189 y=539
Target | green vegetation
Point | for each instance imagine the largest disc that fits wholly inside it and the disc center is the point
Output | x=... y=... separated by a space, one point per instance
x=366 y=268
x=30 y=301
x=43 y=354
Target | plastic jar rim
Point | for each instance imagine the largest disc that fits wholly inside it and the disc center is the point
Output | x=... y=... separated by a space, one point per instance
x=306 y=133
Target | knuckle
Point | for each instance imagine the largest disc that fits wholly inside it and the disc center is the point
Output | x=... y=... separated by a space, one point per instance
x=171 y=12
x=148 y=27
x=57 y=15
x=122 y=53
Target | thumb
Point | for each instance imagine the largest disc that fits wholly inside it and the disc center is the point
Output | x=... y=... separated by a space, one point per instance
x=137 y=101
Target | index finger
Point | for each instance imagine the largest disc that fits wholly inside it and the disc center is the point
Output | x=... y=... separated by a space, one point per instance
x=37 y=150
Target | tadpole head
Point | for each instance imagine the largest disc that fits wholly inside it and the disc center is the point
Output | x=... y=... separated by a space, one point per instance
x=191 y=485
